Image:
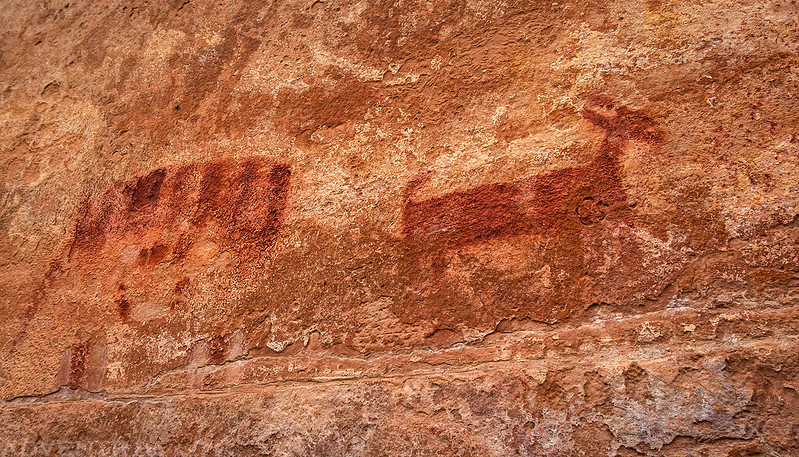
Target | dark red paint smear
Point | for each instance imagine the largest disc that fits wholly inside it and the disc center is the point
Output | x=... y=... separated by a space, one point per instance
x=216 y=349
x=464 y=217
x=245 y=200
x=146 y=191
x=77 y=365
x=123 y=309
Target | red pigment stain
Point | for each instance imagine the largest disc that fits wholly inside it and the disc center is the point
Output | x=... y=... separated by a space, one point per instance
x=180 y=292
x=146 y=190
x=242 y=201
x=557 y=203
x=248 y=203
x=180 y=286
x=585 y=194
x=122 y=304
x=123 y=309
x=89 y=228
x=77 y=365
x=621 y=122
x=216 y=349
x=465 y=217
x=153 y=255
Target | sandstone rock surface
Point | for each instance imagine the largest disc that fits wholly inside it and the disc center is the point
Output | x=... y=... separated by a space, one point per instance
x=448 y=227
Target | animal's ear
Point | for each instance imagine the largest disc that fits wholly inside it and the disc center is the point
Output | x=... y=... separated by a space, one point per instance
x=620 y=122
x=603 y=116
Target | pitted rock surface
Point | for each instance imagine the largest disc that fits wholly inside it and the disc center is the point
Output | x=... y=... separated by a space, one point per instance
x=449 y=227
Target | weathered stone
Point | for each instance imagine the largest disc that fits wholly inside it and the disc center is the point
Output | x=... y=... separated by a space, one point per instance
x=399 y=228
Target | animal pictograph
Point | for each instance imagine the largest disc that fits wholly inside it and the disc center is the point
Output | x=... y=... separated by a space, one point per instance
x=556 y=204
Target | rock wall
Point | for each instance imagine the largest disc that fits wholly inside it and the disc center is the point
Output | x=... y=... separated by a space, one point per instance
x=448 y=227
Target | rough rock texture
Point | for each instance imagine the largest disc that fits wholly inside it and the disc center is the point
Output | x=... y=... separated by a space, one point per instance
x=448 y=227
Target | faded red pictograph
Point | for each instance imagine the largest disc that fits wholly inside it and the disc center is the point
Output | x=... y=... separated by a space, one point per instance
x=78 y=364
x=240 y=203
x=557 y=204
x=83 y=365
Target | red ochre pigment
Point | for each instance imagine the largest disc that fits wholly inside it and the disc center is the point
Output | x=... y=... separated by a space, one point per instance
x=243 y=200
x=556 y=204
